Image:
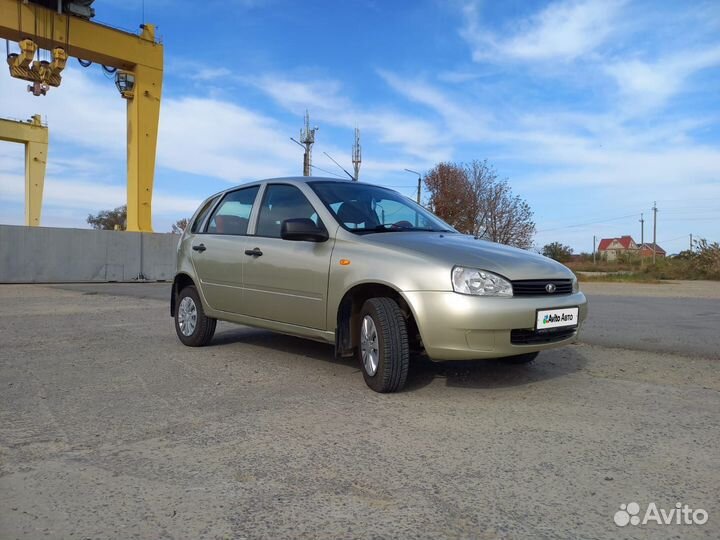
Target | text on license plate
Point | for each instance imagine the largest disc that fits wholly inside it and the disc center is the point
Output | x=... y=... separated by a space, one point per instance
x=554 y=318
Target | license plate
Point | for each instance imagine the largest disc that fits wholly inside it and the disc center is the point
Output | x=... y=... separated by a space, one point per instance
x=556 y=318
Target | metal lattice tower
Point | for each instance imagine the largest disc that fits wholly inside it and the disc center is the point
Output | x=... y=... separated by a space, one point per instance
x=357 y=155
x=307 y=138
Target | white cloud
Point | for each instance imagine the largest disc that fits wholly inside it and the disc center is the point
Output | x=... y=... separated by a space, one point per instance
x=463 y=120
x=646 y=85
x=564 y=30
x=222 y=140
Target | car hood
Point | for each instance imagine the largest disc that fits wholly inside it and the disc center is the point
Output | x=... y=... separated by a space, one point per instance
x=464 y=250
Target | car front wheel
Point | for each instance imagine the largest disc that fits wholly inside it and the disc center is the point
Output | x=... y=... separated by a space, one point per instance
x=383 y=350
x=193 y=327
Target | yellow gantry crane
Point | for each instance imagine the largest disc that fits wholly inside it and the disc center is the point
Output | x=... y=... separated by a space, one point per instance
x=138 y=60
x=34 y=135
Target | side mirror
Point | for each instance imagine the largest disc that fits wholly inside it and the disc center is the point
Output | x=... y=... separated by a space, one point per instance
x=302 y=229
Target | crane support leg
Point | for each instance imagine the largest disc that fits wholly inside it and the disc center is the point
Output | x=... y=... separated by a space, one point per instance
x=35 y=160
x=34 y=136
x=143 y=115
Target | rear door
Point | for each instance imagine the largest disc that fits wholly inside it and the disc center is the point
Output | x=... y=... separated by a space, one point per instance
x=288 y=282
x=218 y=254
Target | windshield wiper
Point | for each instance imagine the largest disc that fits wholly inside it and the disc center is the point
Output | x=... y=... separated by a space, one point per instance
x=426 y=229
x=376 y=229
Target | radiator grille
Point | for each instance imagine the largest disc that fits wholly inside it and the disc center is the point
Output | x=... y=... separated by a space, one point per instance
x=537 y=287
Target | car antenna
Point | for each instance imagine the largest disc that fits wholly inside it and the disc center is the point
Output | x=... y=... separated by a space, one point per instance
x=343 y=168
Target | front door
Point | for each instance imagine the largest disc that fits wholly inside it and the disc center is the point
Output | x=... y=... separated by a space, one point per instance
x=218 y=252
x=288 y=281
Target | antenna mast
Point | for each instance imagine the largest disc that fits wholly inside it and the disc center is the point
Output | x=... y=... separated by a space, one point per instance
x=307 y=139
x=357 y=155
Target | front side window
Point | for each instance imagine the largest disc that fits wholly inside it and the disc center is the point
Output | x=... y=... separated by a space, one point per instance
x=282 y=202
x=366 y=208
x=233 y=214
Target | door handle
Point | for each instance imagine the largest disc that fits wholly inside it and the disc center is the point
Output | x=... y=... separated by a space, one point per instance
x=200 y=248
x=253 y=252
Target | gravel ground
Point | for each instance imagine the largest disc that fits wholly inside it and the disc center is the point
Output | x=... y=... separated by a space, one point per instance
x=110 y=428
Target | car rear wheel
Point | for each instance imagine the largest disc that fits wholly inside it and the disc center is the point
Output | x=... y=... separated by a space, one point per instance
x=383 y=351
x=193 y=327
x=521 y=358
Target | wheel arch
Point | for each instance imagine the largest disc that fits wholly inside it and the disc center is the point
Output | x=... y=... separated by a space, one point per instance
x=181 y=281
x=348 y=311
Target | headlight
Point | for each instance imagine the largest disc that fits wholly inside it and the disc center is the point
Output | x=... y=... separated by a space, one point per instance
x=479 y=282
x=575 y=285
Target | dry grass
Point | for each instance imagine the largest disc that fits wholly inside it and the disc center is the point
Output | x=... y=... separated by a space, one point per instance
x=619 y=278
x=647 y=272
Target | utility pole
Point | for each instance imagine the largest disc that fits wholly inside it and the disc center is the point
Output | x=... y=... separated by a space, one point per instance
x=655 y=211
x=642 y=237
x=593 y=249
x=307 y=139
x=357 y=155
x=419 y=185
x=691 y=246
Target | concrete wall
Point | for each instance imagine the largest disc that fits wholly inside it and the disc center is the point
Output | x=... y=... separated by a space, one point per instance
x=47 y=255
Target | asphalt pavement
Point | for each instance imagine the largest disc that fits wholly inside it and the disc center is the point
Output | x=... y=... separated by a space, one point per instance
x=110 y=428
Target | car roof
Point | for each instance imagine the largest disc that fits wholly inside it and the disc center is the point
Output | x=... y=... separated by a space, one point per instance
x=288 y=179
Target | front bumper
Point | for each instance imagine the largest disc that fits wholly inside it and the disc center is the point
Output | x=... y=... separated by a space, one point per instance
x=461 y=327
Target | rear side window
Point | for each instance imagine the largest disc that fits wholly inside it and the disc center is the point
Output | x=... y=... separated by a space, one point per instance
x=202 y=214
x=233 y=214
x=282 y=202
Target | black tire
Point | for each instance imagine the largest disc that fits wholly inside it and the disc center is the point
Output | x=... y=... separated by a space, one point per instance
x=392 y=345
x=522 y=358
x=204 y=325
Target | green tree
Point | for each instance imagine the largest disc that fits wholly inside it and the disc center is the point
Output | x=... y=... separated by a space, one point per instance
x=707 y=259
x=109 y=220
x=557 y=251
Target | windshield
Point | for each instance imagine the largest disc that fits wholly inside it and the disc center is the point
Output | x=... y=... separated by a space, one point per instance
x=367 y=208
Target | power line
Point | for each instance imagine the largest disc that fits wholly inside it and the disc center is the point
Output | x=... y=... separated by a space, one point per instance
x=588 y=223
x=673 y=239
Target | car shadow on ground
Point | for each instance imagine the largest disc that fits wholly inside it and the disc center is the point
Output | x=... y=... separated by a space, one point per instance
x=495 y=373
x=480 y=374
x=280 y=343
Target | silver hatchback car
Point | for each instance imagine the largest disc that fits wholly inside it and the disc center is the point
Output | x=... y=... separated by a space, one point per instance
x=370 y=271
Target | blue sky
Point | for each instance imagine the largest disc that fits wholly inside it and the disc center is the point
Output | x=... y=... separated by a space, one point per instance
x=593 y=109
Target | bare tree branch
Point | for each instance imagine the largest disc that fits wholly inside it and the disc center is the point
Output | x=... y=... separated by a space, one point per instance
x=473 y=200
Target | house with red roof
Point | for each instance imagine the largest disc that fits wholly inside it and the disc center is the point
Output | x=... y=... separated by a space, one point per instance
x=611 y=248
x=646 y=250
